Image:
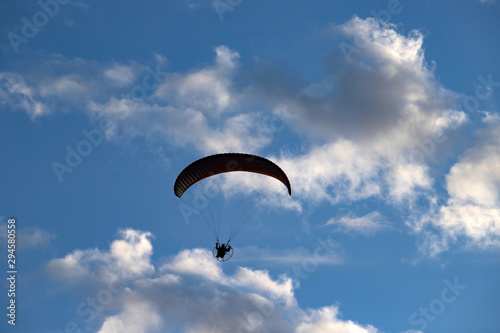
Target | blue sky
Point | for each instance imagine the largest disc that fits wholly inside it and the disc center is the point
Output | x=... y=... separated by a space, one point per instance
x=383 y=114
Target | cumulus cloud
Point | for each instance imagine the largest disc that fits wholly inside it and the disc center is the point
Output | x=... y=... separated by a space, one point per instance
x=128 y=257
x=192 y=293
x=376 y=117
x=195 y=262
x=326 y=320
x=138 y=316
x=261 y=282
x=382 y=86
x=473 y=207
x=206 y=89
x=131 y=254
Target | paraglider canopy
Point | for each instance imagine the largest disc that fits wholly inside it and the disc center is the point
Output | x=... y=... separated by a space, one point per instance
x=230 y=162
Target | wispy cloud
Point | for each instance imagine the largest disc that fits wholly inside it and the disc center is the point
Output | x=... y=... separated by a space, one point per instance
x=120 y=75
x=28 y=238
x=488 y=2
x=34 y=237
x=368 y=224
x=198 y=109
x=285 y=257
x=16 y=93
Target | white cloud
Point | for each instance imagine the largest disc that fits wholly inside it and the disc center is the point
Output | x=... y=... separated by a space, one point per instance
x=404 y=178
x=131 y=255
x=138 y=316
x=207 y=89
x=69 y=84
x=16 y=93
x=474 y=188
x=128 y=257
x=326 y=320
x=120 y=75
x=34 y=237
x=195 y=109
x=260 y=281
x=191 y=293
x=180 y=127
x=195 y=262
x=334 y=172
x=289 y=256
x=375 y=116
x=491 y=117
x=473 y=207
x=371 y=114
x=382 y=94
x=65 y=87
x=75 y=267
x=368 y=224
x=370 y=122
x=28 y=237
x=201 y=263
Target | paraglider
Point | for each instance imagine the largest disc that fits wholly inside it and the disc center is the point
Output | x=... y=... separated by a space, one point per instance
x=222 y=163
